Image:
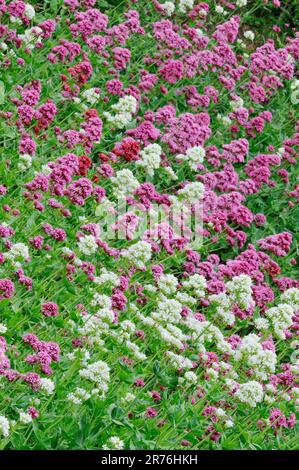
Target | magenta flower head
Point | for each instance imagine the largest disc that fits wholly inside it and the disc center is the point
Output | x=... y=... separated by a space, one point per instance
x=151 y=412
x=155 y=395
x=33 y=412
x=7 y=289
x=139 y=383
x=185 y=443
x=50 y=309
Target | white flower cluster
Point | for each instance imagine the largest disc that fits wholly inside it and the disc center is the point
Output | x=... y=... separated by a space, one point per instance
x=25 y=162
x=78 y=396
x=168 y=311
x=67 y=251
x=197 y=283
x=194 y=156
x=178 y=361
x=101 y=300
x=168 y=7
x=261 y=324
x=29 y=11
x=99 y=374
x=95 y=325
x=99 y=323
x=185 y=5
x=4 y=426
x=205 y=332
x=125 y=182
x=25 y=418
x=185 y=299
x=261 y=361
x=91 y=95
x=47 y=385
x=129 y=397
x=45 y=170
x=107 y=278
x=240 y=291
x=138 y=254
x=189 y=379
x=280 y=318
x=168 y=333
x=225 y=120
x=123 y=335
x=192 y=192
x=3 y=328
x=295 y=92
x=87 y=244
x=241 y=3
x=150 y=158
x=222 y=305
x=250 y=393
x=150 y=288
x=124 y=109
x=249 y=35
x=291 y=297
x=30 y=36
x=115 y=443
x=170 y=173
x=9 y=52
x=219 y=9
x=127 y=327
x=173 y=335
x=167 y=284
x=237 y=103
x=17 y=253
